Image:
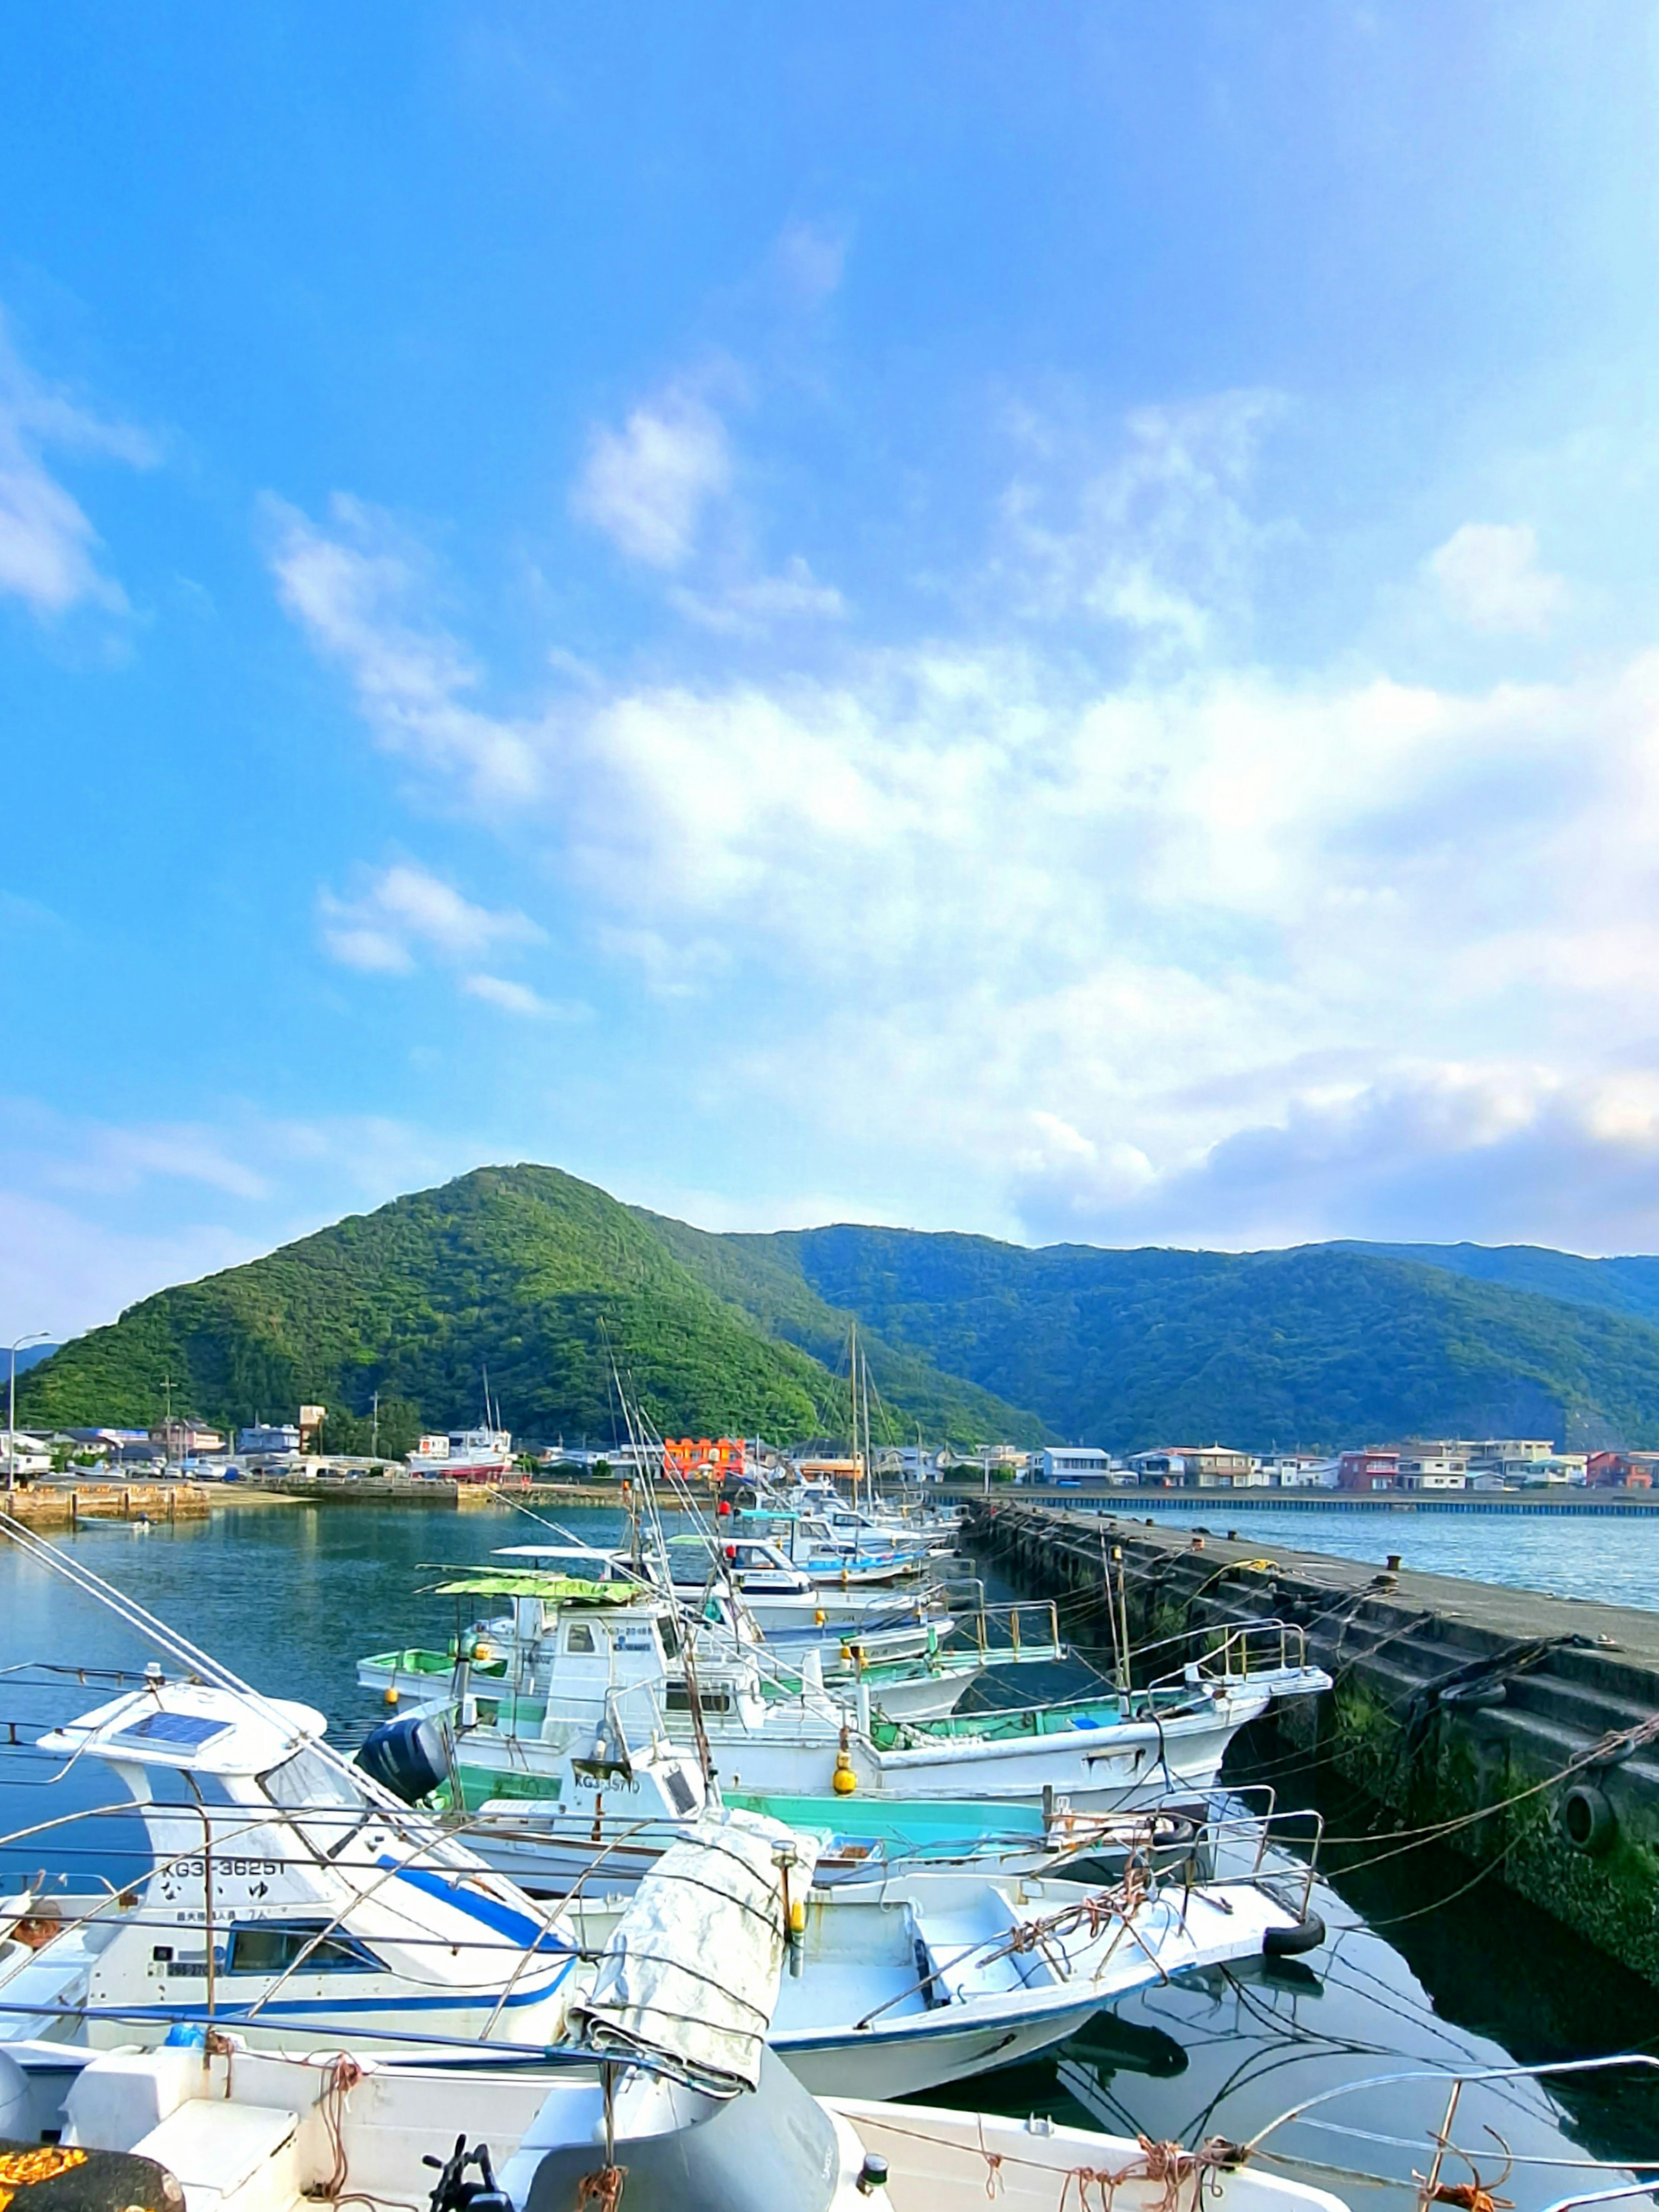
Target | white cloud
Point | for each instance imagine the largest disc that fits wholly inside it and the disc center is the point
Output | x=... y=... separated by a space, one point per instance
x=812 y=258
x=347 y=592
x=517 y=999
x=68 y=1273
x=405 y=910
x=94 y=1215
x=1113 y=952
x=1487 y=575
x=646 y=485
x=748 y=607
x=1156 y=539
x=48 y=546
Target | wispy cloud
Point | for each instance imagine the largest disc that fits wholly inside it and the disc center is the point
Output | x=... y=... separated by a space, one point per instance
x=1487 y=575
x=758 y=603
x=518 y=999
x=812 y=258
x=1156 y=536
x=402 y=911
x=1114 y=940
x=349 y=589
x=645 y=486
x=49 y=549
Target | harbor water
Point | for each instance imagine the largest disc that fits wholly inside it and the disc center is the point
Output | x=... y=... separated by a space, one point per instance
x=1609 y=1557
x=1427 y=1965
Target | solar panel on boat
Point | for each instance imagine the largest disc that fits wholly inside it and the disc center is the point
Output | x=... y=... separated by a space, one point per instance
x=179 y=1731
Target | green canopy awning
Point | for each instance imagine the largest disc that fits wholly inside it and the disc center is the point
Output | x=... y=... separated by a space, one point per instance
x=556 y=1590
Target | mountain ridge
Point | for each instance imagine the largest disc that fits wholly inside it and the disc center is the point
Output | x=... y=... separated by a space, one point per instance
x=550 y=1282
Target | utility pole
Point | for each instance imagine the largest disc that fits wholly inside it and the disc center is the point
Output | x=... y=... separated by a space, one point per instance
x=375 y=1429
x=167 y=1422
x=37 y=1336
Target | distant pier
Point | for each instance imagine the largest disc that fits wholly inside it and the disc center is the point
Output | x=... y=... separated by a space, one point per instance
x=64 y=1505
x=1522 y=1730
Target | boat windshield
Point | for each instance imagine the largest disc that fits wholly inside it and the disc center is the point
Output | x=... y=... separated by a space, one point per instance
x=307 y=1780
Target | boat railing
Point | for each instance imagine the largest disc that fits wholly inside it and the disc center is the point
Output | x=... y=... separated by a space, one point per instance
x=1442 y=2151
x=1260 y=1647
x=1001 y=1632
x=1240 y=1838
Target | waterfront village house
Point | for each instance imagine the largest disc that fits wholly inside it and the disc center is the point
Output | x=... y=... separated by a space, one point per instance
x=1612 y=1470
x=1065 y=1463
x=26 y=1455
x=187 y=1438
x=831 y=1470
x=268 y=1440
x=708 y=1460
x=1297 y=1471
x=1196 y=1467
x=1426 y=1471
x=1374 y=1468
x=1558 y=1467
x=311 y=1422
x=911 y=1463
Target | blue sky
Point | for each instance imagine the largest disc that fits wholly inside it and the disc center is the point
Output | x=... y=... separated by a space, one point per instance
x=1034 y=619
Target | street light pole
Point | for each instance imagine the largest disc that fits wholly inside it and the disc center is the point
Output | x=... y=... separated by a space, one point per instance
x=36 y=1336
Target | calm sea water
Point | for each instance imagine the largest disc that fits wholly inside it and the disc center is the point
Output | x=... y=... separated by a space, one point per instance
x=1588 y=1555
x=1422 y=1969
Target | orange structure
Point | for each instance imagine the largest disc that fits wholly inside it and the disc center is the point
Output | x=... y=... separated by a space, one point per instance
x=707 y=1459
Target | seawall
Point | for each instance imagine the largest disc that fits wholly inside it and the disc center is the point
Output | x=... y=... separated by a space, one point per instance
x=1524 y=1729
x=62 y=1505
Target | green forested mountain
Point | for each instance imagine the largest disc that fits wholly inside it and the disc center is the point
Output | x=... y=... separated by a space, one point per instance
x=1627 y=1285
x=543 y=1279
x=1321 y=1345
x=524 y=1271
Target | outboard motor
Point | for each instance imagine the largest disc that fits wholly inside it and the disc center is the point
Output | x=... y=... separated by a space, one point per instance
x=409 y=1757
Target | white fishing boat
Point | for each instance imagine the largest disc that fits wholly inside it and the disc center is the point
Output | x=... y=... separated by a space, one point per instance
x=286 y=1886
x=667 y=2086
x=913 y=1980
x=287 y=1902
x=244 y=2131
x=784 y=1597
x=917 y=1664
x=547 y=1667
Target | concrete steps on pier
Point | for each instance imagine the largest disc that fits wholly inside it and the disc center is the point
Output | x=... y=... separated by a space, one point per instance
x=1573 y=1831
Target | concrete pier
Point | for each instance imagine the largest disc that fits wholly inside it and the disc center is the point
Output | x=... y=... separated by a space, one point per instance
x=1527 y=1726
x=63 y=1505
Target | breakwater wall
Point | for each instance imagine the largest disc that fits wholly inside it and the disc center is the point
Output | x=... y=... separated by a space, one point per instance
x=1520 y=1730
x=64 y=1505
x=1613 y=1505
x=431 y=1490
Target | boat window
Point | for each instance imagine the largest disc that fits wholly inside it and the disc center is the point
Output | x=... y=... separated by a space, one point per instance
x=670 y=1635
x=712 y=1701
x=271 y=1947
x=308 y=1780
x=579 y=1637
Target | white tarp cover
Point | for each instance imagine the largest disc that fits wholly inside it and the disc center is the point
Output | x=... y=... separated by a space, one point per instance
x=691 y=1973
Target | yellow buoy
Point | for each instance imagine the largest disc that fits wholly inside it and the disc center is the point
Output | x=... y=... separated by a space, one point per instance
x=798 y=1916
x=390 y=1698
x=817 y=1618
x=843 y=1781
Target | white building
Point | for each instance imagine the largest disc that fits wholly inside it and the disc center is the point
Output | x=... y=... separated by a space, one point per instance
x=1297 y=1471
x=1432 y=1471
x=1559 y=1469
x=268 y=1440
x=910 y=1462
x=1069 y=1463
